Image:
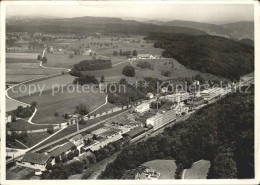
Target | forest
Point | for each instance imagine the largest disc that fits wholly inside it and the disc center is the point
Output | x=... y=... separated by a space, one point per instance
x=210 y=54
x=222 y=133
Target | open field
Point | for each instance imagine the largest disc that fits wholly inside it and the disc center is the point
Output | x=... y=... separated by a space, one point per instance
x=22 y=55
x=11 y=105
x=22 y=125
x=62 y=102
x=34 y=138
x=22 y=61
x=24 y=65
x=15 y=79
x=199 y=170
x=44 y=85
x=63 y=60
x=166 y=168
x=19 y=70
x=59 y=59
x=30 y=71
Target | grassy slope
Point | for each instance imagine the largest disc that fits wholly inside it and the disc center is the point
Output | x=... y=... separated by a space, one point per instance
x=61 y=102
x=198 y=170
x=165 y=167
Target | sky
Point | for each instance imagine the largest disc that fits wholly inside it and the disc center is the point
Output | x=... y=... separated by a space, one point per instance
x=217 y=14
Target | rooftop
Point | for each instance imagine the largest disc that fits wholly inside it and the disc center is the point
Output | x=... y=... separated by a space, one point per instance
x=135 y=132
x=76 y=138
x=64 y=148
x=144 y=55
x=35 y=158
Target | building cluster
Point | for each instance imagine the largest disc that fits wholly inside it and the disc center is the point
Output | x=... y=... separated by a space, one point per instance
x=135 y=124
x=145 y=56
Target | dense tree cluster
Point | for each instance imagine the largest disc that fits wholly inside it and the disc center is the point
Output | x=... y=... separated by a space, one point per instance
x=207 y=53
x=23 y=112
x=85 y=80
x=222 y=133
x=145 y=65
x=128 y=71
x=96 y=64
x=127 y=93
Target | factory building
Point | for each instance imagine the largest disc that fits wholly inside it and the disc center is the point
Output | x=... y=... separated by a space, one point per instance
x=178 y=97
x=210 y=94
x=161 y=118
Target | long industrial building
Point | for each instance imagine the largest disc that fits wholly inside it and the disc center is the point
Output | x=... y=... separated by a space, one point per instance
x=178 y=97
x=161 y=118
x=209 y=94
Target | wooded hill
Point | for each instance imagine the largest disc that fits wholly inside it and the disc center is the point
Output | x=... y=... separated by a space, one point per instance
x=85 y=25
x=206 y=53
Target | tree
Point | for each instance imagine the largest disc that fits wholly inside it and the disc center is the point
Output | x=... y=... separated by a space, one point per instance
x=50 y=130
x=129 y=71
x=82 y=122
x=13 y=118
x=64 y=158
x=66 y=116
x=81 y=109
x=49 y=166
x=44 y=60
x=94 y=137
x=86 y=162
x=34 y=104
x=134 y=53
x=225 y=167
x=59 y=171
x=76 y=153
x=115 y=53
x=75 y=167
x=70 y=155
x=102 y=79
x=39 y=57
x=92 y=159
x=57 y=159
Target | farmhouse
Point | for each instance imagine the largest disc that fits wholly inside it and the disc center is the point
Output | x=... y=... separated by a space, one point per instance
x=87 y=52
x=34 y=160
x=77 y=139
x=144 y=56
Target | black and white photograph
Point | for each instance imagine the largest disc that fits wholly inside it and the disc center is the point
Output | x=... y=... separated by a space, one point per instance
x=110 y=90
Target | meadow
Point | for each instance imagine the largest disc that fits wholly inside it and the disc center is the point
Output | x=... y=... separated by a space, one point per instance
x=60 y=59
x=166 y=168
x=61 y=102
x=22 y=55
x=23 y=125
x=44 y=85
x=23 y=69
x=198 y=170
